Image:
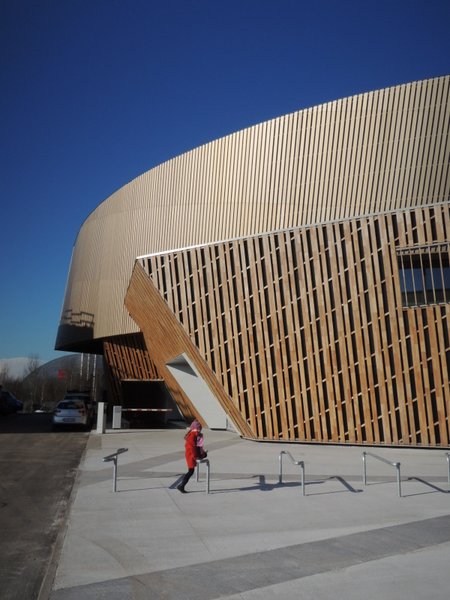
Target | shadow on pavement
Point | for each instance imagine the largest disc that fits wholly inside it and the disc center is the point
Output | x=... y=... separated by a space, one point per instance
x=26 y=423
x=434 y=488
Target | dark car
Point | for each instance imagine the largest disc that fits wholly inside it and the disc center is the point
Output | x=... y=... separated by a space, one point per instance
x=9 y=404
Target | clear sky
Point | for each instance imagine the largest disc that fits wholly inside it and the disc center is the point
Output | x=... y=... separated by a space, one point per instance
x=95 y=92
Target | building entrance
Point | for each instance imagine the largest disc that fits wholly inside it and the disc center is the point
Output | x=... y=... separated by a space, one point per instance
x=148 y=404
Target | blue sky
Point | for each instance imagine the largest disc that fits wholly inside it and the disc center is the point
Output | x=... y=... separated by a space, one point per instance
x=95 y=92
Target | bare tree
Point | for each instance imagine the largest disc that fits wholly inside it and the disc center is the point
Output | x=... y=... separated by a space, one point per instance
x=4 y=374
x=30 y=391
x=32 y=364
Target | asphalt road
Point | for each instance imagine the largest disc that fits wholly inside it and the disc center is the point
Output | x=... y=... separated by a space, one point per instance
x=37 y=471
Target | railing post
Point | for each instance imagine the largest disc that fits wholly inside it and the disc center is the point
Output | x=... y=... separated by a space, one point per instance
x=115 y=474
x=113 y=458
x=447 y=455
x=364 y=468
x=388 y=462
x=399 y=485
x=206 y=461
x=300 y=463
x=207 y=476
x=302 y=469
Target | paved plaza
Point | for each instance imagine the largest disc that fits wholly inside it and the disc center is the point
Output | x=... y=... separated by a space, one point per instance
x=251 y=537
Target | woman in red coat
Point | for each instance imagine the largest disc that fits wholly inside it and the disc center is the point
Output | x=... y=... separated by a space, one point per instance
x=191 y=452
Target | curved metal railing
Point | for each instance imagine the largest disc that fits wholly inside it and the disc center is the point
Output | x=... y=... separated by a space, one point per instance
x=299 y=463
x=113 y=458
x=388 y=462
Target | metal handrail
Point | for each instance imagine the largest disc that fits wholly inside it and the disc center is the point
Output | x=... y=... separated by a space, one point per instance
x=299 y=463
x=388 y=462
x=206 y=461
x=113 y=458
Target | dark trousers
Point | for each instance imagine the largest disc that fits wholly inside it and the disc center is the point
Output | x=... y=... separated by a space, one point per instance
x=186 y=477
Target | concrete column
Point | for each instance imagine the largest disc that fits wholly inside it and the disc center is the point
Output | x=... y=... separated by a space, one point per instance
x=117 y=417
x=101 y=418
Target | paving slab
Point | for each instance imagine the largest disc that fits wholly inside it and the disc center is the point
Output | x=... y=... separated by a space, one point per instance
x=253 y=537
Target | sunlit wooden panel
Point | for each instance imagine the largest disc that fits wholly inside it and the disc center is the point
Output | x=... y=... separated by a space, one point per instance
x=308 y=334
x=285 y=257
x=382 y=150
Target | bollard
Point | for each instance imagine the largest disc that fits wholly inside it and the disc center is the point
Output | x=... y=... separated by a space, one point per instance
x=101 y=417
x=117 y=417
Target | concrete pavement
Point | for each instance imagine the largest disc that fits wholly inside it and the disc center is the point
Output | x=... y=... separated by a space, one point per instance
x=252 y=538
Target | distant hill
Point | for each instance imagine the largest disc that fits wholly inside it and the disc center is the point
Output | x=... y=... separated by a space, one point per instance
x=15 y=367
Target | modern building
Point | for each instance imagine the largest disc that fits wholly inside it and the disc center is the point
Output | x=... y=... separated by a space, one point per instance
x=291 y=280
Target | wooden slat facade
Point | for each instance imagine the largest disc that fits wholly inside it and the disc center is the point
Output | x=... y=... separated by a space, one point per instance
x=126 y=358
x=305 y=330
x=275 y=250
x=379 y=151
x=168 y=340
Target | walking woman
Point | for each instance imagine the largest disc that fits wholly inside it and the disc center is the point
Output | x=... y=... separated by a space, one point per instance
x=192 y=452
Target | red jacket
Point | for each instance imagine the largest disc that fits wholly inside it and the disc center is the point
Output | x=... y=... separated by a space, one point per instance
x=191 y=450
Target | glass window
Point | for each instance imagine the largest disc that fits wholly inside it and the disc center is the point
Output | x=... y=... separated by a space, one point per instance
x=425 y=274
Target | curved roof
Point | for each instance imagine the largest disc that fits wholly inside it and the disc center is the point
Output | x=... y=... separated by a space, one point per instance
x=374 y=152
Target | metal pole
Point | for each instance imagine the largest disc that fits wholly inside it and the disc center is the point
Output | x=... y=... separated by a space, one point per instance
x=364 y=468
x=280 y=475
x=115 y=474
x=397 y=466
x=447 y=455
x=114 y=458
x=388 y=462
x=299 y=463
x=207 y=476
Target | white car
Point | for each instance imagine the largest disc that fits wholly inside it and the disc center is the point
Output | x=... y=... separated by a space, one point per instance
x=85 y=397
x=72 y=412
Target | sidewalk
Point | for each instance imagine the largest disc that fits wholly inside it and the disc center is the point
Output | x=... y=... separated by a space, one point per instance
x=252 y=538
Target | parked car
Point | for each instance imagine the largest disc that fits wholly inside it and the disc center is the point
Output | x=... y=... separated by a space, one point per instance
x=9 y=404
x=85 y=396
x=72 y=412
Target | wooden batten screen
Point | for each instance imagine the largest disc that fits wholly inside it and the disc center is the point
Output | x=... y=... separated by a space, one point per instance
x=169 y=340
x=306 y=331
x=370 y=153
x=127 y=357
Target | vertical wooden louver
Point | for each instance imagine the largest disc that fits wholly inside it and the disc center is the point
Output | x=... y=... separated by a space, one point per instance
x=299 y=243
x=126 y=358
x=374 y=152
x=306 y=331
x=169 y=341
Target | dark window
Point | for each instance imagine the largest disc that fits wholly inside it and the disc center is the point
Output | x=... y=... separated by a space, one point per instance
x=425 y=274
